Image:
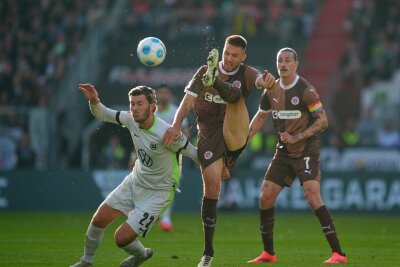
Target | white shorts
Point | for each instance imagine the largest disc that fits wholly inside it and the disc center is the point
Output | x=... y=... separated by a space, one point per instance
x=142 y=206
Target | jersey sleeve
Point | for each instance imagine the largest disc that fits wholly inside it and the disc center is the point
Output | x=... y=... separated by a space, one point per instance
x=312 y=101
x=183 y=146
x=195 y=85
x=179 y=143
x=103 y=113
x=264 y=102
x=252 y=75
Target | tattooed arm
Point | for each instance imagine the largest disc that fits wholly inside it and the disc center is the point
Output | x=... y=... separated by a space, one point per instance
x=319 y=125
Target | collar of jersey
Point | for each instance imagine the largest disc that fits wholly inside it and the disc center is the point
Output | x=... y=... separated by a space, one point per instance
x=152 y=126
x=290 y=85
x=226 y=72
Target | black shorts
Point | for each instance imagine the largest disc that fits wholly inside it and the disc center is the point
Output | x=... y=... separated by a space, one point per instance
x=283 y=170
x=231 y=156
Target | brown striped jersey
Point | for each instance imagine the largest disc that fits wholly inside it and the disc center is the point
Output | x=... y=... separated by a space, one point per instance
x=209 y=106
x=293 y=109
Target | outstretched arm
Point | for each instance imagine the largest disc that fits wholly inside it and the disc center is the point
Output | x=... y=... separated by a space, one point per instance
x=174 y=131
x=90 y=92
x=257 y=122
x=98 y=110
x=267 y=80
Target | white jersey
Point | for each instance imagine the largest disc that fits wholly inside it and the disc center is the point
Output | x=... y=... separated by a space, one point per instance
x=168 y=115
x=156 y=166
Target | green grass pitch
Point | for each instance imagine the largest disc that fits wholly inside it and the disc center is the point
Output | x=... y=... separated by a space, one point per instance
x=56 y=239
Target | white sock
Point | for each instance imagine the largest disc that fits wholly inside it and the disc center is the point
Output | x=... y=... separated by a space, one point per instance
x=135 y=248
x=166 y=216
x=94 y=235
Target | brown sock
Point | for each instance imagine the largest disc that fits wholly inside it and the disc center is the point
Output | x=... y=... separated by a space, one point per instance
x=328 y=228
x=226 y=91
x=267 y=220
x=209 y=216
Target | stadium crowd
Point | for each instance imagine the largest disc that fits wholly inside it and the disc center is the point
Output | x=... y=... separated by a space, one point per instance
x=40 y=40
x=372 y=56
x=276 y=18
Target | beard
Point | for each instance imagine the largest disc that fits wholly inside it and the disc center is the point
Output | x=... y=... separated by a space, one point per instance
x=143 y=117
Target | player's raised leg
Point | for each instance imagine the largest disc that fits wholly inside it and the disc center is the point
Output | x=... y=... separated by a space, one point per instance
x=94 y=234
x=236 y=125
x=237 y=121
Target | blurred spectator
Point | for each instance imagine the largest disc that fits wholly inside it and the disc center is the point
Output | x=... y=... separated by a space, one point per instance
x=388 y=136
x=350 y=135
x=166 y=108
x=8 y=157
x=366 y=129
x=246 y=18
x=113 y=154
x=25 y=154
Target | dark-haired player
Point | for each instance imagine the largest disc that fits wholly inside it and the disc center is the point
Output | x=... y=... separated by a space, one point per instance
x=147 y=191
x=298 y=118
x=218 y=92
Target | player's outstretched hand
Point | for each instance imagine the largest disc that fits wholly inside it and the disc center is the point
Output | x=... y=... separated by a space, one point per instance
x=268 y=80
x=171 y=135
x=90 y=92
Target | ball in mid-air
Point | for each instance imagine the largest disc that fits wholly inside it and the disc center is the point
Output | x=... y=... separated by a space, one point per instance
x=151 y=51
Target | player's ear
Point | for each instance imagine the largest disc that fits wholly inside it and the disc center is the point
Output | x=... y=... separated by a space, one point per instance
x=154 y=107
x=244 y=57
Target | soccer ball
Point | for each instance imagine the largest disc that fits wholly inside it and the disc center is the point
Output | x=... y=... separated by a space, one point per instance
x=151 y=51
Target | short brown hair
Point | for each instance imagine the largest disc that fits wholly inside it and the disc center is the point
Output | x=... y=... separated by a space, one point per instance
x=237 y=40
x=147 y=91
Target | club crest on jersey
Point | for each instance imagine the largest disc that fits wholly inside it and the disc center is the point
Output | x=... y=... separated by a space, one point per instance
x=237 y=84
x=153 y=146
x=295 y=100
x=208 y=155
x=145 y=158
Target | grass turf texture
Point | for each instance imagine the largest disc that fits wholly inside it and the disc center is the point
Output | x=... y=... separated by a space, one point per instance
x=56 y=239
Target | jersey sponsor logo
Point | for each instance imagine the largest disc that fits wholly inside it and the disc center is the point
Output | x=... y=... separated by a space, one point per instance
x=286 y=114
x=295 y=100
x=145 y=159
x=208 y=155
x=214 y=98
x=153 y=146
x=237 y=84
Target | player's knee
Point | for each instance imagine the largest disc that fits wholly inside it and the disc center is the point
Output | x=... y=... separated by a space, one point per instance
x=212 y=191
x=266 y=201
x=99 y=221
x=313 y=199
x=121 y=240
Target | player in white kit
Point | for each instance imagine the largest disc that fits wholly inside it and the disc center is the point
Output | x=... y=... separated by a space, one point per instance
x=147 y=191
x=166 y=110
